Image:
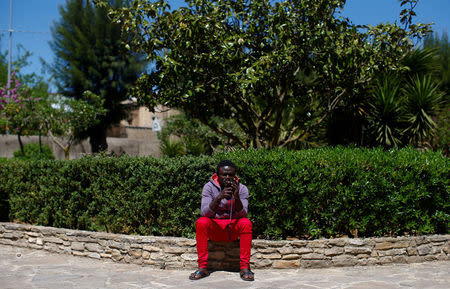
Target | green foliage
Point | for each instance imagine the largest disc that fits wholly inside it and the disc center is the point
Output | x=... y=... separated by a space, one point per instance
x=278 y=69
x=34 y=151
x=385 y=118
x=310 y=194
x=91 y=57
x=68 y=117
x=442 y=47
x=171 y=148
x=193 y=137
x=422 y=103
x=402 y=107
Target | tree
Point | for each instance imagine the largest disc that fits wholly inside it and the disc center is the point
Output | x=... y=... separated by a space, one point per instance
x=442 y=47
x=67 y=117
x=402 y=106
x=89 y=55
x=278 y=69
x=17 y=109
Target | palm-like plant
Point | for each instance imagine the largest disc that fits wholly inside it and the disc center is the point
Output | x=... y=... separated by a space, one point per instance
x=422 y=99
x=385 y=115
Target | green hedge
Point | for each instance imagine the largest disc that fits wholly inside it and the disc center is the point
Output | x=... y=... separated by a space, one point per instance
x=309 y=194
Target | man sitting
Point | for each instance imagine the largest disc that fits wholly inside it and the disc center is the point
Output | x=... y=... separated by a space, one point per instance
x=224 y=210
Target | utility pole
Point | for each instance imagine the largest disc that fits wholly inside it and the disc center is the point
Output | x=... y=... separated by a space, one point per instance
x=10 y=41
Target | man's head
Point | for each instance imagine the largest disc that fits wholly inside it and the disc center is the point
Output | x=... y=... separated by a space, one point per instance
x=226 y=171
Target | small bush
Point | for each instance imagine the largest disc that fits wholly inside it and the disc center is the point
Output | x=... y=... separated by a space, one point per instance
x=310 y=194
x=33 y=152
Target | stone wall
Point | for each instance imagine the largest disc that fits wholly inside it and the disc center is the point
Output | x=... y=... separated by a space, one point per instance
x=171 y=252
x=133 y=147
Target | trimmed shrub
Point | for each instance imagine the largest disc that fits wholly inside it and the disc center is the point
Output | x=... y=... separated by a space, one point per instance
x=310 y=194
x=33 y=152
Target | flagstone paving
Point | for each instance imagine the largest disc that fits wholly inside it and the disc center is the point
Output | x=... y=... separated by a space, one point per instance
x=25 y=268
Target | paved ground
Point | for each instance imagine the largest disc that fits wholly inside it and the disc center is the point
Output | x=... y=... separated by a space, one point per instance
x=25 y=268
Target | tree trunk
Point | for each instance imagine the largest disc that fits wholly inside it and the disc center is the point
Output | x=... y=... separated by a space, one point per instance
x=20 y=143
x=66 y=153
x=97 y=139
x=40 y=142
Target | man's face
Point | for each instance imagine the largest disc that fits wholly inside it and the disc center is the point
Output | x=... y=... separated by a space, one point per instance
x=226 y=176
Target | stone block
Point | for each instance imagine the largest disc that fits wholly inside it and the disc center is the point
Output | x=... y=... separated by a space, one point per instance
x=357 y=250
x=362 y=256
x=268 y=250
x=85 y=239
x=189 y=257
x=78 y=253
x=117 y=258
x=148 y=240
x=53 y=240
x=299 y=243
x=158 y=256
x=145 y=254
x=392 y=252
x=290 y=257
x=117 y=245
x=51 y=247
x=65 y=249
x=317 y=244
x=355 y=242
x=151 y=248
x=319 y=250
x=399 y=259
x=421 y=240
x=31 y=240
x=78 y=246
x=174 y=250
x=439 y=238
x=284 y=264
x=94 y=255
x=302 y=250
x=151 y=262
x=186 y=242
x=136 y=246
x=257 y=256
x=384 y=246
x=414 y=259
x=10 y=236
x=315 y=263
x=34 y=246
x=411 y=251
x=105 y=255
x=334 y=251
x=385 y=260
x=285 y=250
x=271 y=256
x=337 y=242
x=430 y=258
x=93 y=247
x=446 y=248
x=424 y=249
x=135 y=253
x=263 y=263
x=33 y=234
x=343 y=260
x=313 y=256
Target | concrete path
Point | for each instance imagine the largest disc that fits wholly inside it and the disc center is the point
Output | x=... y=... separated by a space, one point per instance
x=25 y=268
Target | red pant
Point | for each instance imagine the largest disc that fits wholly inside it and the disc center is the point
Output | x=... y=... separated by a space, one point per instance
x=217 y=230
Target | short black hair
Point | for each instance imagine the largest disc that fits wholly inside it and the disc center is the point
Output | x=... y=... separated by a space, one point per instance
x=225 y=163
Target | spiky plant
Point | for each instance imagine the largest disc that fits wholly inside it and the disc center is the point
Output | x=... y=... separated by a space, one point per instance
x=385 y=112
x=422 y=99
